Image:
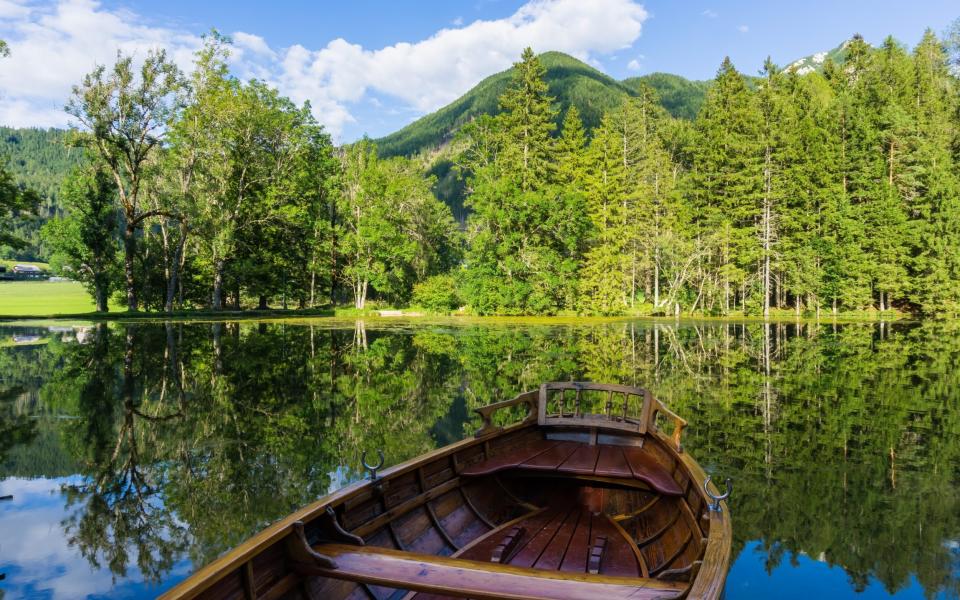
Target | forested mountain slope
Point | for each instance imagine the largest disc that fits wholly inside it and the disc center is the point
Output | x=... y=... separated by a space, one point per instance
x=681 y=97
x=38 y=159
x=571 y=82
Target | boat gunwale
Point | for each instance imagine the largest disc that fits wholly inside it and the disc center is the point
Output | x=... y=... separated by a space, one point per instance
x=213 y=572
x=708 y=583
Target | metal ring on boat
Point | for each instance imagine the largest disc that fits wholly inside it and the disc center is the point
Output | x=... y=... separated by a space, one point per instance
x=372 y=468
x=716 y=499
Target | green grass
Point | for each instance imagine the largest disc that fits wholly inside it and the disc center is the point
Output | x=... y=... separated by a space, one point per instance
x=23 y=298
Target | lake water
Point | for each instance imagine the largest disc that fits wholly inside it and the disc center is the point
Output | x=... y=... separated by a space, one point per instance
x=136 y=454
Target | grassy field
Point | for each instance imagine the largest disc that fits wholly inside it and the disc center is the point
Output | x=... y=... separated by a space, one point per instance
x=21 y=298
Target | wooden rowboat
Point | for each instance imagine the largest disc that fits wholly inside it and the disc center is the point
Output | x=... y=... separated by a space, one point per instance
x=579 y=499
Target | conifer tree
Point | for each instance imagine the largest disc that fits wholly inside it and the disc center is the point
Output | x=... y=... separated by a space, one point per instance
x=934 y=181
x=727 y=181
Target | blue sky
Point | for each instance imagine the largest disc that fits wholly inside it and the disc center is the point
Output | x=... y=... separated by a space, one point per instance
x=373 y=66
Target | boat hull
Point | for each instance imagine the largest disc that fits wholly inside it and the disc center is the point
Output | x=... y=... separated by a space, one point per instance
x=532 y=510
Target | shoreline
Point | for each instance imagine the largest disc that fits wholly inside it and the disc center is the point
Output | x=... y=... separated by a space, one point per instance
x=334 y=316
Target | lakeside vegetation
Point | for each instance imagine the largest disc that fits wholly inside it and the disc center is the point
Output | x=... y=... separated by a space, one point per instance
x=826 y=192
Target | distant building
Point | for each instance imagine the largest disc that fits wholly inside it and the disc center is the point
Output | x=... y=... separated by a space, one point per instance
x=27 y=271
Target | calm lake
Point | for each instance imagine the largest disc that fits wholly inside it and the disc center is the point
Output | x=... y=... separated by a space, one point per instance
x=137 y=453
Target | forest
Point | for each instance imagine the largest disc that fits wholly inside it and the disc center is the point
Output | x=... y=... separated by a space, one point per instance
x=824 y=192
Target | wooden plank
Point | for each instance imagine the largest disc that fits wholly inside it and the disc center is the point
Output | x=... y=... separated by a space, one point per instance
x=473 y=507
x=619 y=558
x=552 y=556
x=249 y=581
x=575 y=560
x=552 y=458
x=583 y=461
x=641 y=562
x=612 y=463
x=492 y=534
x=481 y=580
x=648 y=470
x=403 y=508
x=509 y=459
x=229 y=563
x=537 y=541
x=532 y=522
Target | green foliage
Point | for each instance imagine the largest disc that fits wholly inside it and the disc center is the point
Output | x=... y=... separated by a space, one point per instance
x=38 y=159
x=681 y=97
x=438 y=293
x=526 y=230
x=391 y=230
x=124 y=114
x=84 y=243
x=15 y=201
x=803 y=189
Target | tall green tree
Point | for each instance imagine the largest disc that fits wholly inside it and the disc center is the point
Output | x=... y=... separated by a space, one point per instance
x=931 y=185
x=726 y=185
x=85 y=240
x=123 y=113
x=526 y=231
x=392 y=231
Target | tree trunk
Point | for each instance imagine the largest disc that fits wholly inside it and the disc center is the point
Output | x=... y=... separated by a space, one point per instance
x=130 y=251
x=173 y=283
x=767 y=233
x=263 y=303
x=217 y=299
x=100 y=294
x=656 y=278
x=360 y=294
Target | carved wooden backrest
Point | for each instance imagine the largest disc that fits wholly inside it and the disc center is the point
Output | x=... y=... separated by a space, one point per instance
x=602 y=405
x=583 y=403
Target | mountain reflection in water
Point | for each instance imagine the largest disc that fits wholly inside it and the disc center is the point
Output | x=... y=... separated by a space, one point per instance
x=137 y=453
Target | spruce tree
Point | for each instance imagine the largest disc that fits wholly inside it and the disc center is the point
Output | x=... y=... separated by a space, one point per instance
x=726 y=183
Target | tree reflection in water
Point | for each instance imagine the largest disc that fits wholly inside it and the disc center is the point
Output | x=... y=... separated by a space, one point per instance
x=844 y=441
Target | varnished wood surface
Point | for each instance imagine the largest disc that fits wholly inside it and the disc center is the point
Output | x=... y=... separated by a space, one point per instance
x=577 y=458
x=452 y=502
x=463 y=578
x=212 y=573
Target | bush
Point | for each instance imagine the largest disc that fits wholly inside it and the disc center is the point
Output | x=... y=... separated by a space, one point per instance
x=437 y=293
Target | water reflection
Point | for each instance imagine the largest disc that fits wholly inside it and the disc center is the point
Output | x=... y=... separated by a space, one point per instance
x=165 y=445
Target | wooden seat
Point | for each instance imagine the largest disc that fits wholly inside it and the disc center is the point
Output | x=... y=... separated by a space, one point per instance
x=576 y=458
x=462 y=578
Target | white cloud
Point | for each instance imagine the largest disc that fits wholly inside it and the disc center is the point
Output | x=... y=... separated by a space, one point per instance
x=743 y=28
x=710 y=14
x=53 y=46
x=634 y=65
x=458 y=22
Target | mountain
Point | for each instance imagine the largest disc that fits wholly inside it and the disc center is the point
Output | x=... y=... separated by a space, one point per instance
x=571 y=82
x=38 y=159
x=680 y=96
x=815 y=62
